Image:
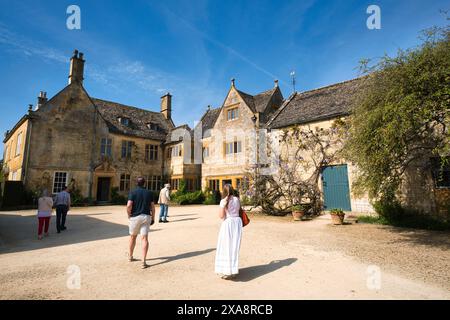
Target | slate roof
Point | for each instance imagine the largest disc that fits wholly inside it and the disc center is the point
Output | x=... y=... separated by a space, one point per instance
x=265 y=102
x=139 y=118
x=315 y=105
x=208 y=121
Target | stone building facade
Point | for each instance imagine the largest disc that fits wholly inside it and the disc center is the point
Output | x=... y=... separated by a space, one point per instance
x=91 y=145
x=96 y=146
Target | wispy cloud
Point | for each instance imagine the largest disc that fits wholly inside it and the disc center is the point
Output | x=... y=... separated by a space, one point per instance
x=120 y=75
x=219 y=44
x=17 y=43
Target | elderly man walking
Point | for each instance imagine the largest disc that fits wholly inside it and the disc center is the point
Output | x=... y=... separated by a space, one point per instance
x=62 y=203
x=141 y=215
x=164 y=198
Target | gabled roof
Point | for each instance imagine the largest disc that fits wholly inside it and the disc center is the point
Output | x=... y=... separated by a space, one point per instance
x=208 y=121
x=318 y=104
x=139 y=119
x=169 y=134
x=265 y=102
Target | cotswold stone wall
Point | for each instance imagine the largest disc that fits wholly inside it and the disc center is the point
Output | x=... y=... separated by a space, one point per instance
x=65 y=137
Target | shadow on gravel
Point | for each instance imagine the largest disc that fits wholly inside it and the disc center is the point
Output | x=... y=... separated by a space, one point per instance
x=435 y=239
x=251 y=273
x=186 y=255
x=19 y=233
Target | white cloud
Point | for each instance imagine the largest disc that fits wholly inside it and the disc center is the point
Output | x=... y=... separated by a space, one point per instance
x=29 y=47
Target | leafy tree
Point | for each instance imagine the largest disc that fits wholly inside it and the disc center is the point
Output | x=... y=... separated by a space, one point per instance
x=401 y=115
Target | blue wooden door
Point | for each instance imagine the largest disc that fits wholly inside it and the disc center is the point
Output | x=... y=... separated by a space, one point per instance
x=336 y=191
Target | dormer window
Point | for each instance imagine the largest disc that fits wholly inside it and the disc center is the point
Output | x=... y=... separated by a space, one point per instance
x=153 y=126
x=124 y=121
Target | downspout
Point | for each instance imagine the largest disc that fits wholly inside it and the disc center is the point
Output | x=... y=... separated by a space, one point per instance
x=27 y=152
x=91 y=165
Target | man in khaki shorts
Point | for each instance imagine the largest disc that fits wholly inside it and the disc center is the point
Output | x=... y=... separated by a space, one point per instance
x=141 y=215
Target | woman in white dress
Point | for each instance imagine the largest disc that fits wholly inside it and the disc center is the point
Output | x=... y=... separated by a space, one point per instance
x=230 y=234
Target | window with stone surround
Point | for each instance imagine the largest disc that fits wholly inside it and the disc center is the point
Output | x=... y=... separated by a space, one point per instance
x=214 y=184
x=19 y=144
x=151 y=152
x=105 y=149
x=59 y=181
x=233 y=147
x=126 y=149
x=232 y=114
x=124 y=182
x=175 y=151
x=153 y=183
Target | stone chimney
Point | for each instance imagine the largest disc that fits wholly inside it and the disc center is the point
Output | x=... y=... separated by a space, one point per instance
x=166 y=106
x=76 y=68
x=42 y=99
x=276 y=83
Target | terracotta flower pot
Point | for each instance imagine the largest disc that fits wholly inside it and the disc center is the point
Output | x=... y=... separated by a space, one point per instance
x=297 y=215
x=337 y=219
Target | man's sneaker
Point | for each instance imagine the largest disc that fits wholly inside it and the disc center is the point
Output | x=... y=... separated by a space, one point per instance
x=166 y=221
x=161 y=220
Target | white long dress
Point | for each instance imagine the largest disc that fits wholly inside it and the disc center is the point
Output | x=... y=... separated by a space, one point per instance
x=229 y=242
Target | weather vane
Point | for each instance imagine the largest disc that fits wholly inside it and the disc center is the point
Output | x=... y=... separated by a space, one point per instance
x=293 y=79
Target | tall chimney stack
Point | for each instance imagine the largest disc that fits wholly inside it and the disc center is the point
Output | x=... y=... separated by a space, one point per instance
x=166 y=106
x=42 y=99
x=76 y=72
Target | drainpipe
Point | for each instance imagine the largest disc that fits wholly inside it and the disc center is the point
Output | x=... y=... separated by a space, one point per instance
x=91 y=165
x=27 y=153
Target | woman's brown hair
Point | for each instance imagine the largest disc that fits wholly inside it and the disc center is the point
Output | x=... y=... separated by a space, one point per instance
x=227 y=192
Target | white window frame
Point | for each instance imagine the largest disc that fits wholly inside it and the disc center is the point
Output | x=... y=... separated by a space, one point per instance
x=19 y=144
x=233 y=147
x=61 y=184
x=176 y=151
x=232 y=114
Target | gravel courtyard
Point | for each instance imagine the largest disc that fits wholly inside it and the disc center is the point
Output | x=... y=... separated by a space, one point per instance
x=280 y=259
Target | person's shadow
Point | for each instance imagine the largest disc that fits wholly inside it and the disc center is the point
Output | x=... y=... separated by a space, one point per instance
x=251 y=273
x=180 y=256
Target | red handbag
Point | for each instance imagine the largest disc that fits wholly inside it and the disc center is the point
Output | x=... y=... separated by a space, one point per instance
x=244 y=217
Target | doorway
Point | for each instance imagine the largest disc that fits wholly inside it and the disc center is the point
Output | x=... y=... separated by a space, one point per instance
x=336 y=191
x=103 y=186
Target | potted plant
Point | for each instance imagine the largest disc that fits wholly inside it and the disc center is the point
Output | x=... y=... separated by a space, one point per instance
x=337 y=216
x=298 y=212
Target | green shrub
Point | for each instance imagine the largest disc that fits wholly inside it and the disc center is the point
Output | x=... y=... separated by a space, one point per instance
x=117 y=198
x=212 y=197
x=196 y=197
x=77 y=199
x=396 y=215
x=337 y=212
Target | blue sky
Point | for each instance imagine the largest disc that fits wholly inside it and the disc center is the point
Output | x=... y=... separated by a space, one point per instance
x=136 y=51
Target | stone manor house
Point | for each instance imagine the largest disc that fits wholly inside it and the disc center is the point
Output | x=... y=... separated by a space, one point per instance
x=95 y=145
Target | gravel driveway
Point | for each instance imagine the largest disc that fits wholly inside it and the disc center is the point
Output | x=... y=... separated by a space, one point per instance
x=280 y=259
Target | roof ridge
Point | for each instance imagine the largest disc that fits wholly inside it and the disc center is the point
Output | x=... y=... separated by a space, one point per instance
x=248 y=94
x=330 y=85
x=283 y=106
x=126 y=105
x=267 y=91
